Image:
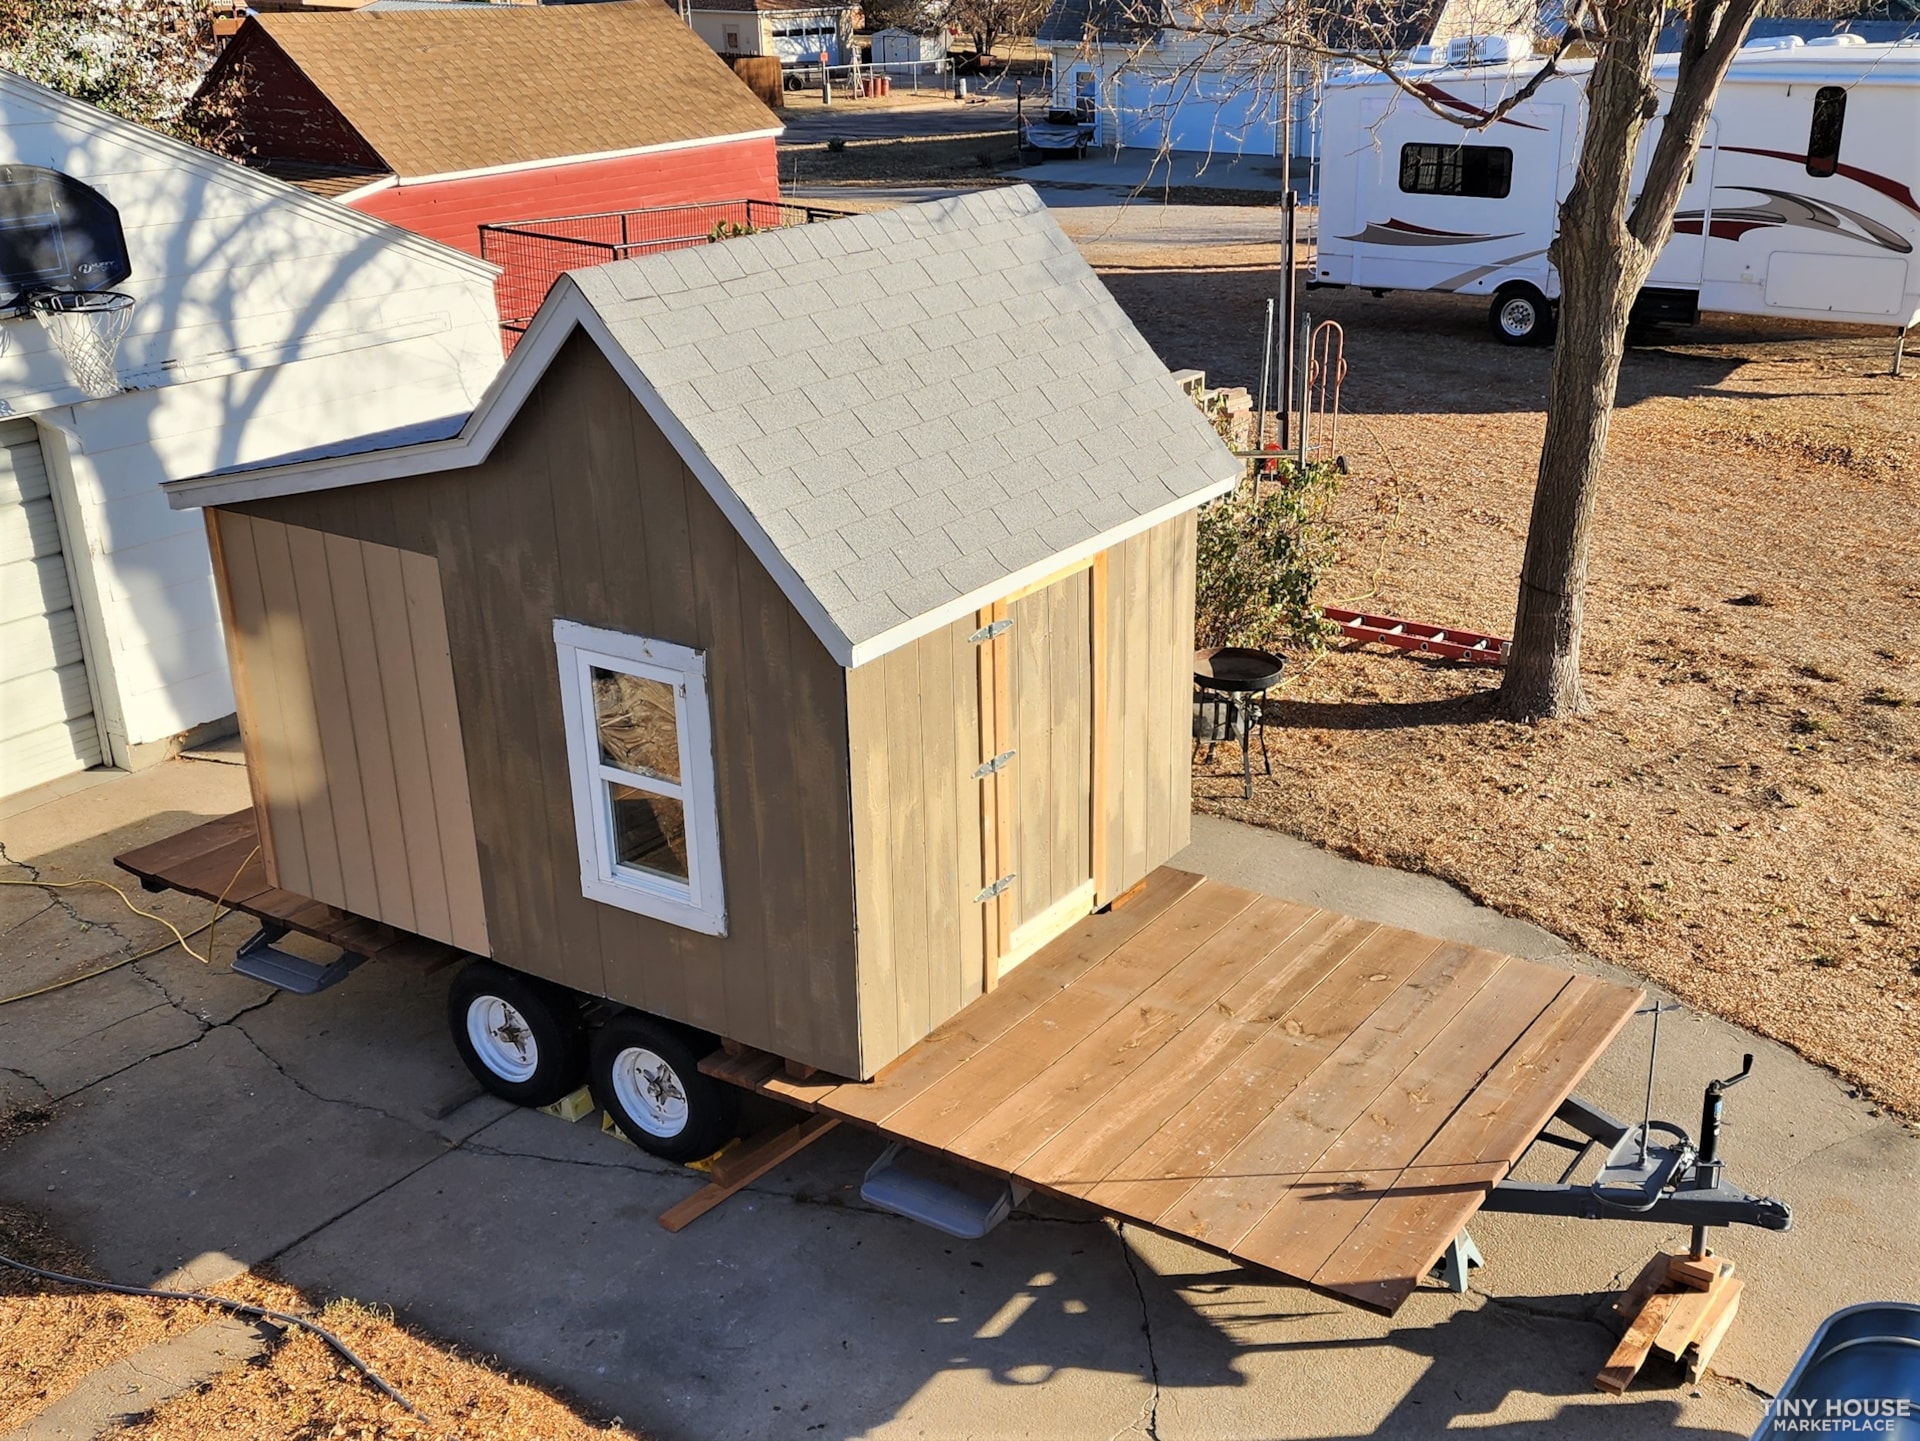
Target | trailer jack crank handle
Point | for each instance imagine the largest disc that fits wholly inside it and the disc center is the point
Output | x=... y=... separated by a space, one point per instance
x=1653 y=1172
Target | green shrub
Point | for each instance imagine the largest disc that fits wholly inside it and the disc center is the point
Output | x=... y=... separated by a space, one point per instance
x=1263 y=550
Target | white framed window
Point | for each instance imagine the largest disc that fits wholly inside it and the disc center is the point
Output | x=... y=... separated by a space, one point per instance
x=640 y=751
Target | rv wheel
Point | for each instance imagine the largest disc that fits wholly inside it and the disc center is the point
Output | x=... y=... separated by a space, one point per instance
x=1521 y=315
x=521 y=1037
x=646 y=1075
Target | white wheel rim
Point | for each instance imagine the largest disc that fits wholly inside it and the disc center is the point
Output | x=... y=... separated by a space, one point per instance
x=649 y=1091
x=1517 y=317
x=502 y=1039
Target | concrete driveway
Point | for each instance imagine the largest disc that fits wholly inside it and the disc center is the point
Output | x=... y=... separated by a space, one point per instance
x=201 y=1124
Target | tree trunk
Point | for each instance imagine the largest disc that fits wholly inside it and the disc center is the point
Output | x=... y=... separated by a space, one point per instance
x=1602 y=265
x=1603 y=254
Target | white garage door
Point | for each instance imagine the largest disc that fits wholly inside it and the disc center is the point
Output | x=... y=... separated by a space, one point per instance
x=46 y=708
x=1197 y=113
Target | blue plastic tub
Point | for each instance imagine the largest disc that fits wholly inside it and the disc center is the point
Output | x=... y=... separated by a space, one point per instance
x=1859 y=1376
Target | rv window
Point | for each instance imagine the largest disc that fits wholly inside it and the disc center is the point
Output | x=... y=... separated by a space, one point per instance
x=1481 y=171
x=1829 y=119
x=639 y=749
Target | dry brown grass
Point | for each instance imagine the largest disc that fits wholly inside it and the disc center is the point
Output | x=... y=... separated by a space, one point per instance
x=1738 y=817
x=53 y=1336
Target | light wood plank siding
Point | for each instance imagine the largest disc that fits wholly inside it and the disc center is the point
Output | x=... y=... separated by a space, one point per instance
x=919 y=962
x=585 y=511
x=1148 y=752
x=349 y=725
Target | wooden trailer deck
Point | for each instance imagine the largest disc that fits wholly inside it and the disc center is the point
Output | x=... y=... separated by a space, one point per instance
x=221 y=861
x=1322 y=1096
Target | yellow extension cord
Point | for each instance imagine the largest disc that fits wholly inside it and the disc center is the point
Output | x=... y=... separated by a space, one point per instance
x=180 y=937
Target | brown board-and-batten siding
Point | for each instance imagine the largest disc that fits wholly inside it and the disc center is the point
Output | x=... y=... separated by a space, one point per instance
x=584 y=511
x=921 y=830
x=344 y=685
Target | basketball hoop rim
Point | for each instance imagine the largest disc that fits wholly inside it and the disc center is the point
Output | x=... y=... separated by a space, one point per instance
x=77 y=302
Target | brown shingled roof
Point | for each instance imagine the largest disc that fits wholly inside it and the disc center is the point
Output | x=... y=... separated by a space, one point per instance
x=435 y=92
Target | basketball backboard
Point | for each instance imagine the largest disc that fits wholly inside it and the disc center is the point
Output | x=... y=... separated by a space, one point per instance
x=56 y=234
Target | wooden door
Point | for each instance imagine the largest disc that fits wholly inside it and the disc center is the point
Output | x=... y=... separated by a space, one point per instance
x=1041 y=840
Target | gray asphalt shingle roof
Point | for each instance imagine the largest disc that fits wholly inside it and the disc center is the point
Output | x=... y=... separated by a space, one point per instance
x=913 y=404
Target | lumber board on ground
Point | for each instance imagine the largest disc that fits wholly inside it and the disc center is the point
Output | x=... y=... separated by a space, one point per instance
x=744 y=1166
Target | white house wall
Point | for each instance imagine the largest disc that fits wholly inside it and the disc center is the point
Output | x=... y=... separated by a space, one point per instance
x=268 y=321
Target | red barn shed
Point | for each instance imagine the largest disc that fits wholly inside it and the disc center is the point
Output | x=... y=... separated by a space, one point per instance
x=442 y=121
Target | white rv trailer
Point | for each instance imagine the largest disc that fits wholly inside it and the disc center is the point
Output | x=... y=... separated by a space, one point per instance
x=1801 y=203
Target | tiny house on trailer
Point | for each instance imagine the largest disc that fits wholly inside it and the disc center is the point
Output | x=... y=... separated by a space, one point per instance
x=1800 y=205
x=782 y=681
x=674 y=674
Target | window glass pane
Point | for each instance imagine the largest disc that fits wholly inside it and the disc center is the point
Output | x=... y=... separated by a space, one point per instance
x=1823 y=141
x=1482 y=172
x=649 y=832
x=636 y=721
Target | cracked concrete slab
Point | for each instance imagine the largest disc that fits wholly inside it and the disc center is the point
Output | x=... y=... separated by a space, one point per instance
x=202 y=1161
x=773 y=1318
x=128 y=1388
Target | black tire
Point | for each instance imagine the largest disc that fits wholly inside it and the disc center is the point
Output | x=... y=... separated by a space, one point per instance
x=636 y=1056
x=520 y=1036
x=1520 y=315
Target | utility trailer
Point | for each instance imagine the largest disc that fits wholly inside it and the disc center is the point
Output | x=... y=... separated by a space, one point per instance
x=730 y=740
x=1801 y=203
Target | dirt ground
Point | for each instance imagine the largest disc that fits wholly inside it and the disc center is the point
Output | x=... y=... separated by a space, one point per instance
x=1738 y=816
x=53 y=1336
x=973 y=158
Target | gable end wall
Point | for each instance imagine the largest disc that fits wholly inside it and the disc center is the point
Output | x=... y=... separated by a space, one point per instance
x=585 y=512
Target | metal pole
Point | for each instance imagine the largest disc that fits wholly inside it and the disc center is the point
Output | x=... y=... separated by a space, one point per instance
x=1899 y=348
x=1304 y=356
x=1266 y=369
x=1289 y=247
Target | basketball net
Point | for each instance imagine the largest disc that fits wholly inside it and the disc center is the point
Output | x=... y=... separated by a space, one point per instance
x=86 y=328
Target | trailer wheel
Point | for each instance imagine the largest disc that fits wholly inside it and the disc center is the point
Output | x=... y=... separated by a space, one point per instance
x=521 y=1037
x=1520 y=315
x=645 y=1074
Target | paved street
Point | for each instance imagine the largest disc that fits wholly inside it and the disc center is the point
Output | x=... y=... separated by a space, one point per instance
x=202 y=1124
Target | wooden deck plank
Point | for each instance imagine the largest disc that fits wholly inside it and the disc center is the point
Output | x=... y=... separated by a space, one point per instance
x=1379 y=1136
x=1146 y=1099
x=161 y=858
x=1007 y=1134
x=1435 y=1197
x=960 y=1039
x=202 y=862
x=1227 y=1108
x=1225 y=1204
x=942 y=1111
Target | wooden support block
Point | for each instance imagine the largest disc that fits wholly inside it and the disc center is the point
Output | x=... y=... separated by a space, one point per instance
x=801 y=1071
x=733 y=1047
x=1695 y=1273
x=751 y=1163
x=1652 y=1277
x=1689 y=1314
x=572 y=1106
x=748 y=1069
x=1714 y=1328
x=1631 y=1354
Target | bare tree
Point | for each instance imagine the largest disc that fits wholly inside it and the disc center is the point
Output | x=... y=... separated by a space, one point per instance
x=988 y=22
x=140 y=59
x=1607 y=242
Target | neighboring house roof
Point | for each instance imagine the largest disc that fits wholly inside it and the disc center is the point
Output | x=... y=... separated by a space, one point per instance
x=905 y=414
x=481 y=87
x=1116 y=22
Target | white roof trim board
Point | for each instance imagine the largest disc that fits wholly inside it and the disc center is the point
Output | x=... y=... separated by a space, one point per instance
x=905 y=414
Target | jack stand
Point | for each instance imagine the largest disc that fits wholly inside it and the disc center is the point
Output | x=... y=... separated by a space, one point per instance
x=1456 y=1263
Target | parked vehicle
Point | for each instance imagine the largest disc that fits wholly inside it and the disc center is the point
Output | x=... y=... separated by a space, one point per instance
x=1801 y=204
